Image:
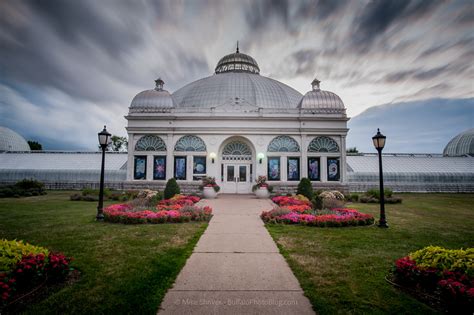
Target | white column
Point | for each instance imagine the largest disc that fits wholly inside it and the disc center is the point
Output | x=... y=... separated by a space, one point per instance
x=304 y=157
x=130 y=160
x=149 y=167
x=169 y=157
x=324 y=169
x=343 y=165
x=283 y=168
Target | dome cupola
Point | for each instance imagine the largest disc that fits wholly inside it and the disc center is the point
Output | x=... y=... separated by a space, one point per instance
x=322 y=102
x=155 y=100
x=237 y=62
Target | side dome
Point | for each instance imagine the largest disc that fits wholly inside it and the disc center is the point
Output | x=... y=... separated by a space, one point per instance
x=12 y=141
x=461 y=145
x=156 y=100
x=319 y=101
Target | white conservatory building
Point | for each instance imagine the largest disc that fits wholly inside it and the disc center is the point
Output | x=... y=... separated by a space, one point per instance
x=236 y=125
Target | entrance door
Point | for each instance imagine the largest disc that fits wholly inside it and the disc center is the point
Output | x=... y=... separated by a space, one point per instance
x=237 y=178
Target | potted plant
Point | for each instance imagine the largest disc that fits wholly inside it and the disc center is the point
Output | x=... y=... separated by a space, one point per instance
x=209 y=187
x=261 y=188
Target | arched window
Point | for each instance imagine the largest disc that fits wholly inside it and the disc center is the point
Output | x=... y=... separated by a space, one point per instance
x=283 y=144
x=236 y=150
x=190 y=143
x=323 y=144
x=150 y=143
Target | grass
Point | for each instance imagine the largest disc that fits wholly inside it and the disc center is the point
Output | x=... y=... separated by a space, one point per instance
x=342 y=270
x=124 y=268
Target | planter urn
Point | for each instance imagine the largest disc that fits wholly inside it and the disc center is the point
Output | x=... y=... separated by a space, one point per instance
x=262 y=193
x=209 y=193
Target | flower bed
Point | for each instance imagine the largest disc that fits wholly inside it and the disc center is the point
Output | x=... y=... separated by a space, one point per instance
x=24 y=266
x=339 y=217
x=297 y=210
x=175 y=210
x=446 y=274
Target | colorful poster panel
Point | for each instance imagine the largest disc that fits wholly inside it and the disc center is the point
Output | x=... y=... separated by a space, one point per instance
x=333 y=169
x=159 y=168
x=140 y=167
x=293 y=168
x=180 y=167
x=313 y=169
x=273 y=168
x=199 y=167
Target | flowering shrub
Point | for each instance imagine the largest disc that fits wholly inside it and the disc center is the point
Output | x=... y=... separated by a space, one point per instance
x=338 y=217
x=31 y=269
x=178 y=209
x=446 y=273
x=209 y=182
x=261 y=182
x=298 y=200
x=11 y=252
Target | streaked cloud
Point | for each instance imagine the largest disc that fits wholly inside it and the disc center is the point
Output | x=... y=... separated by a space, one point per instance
x=60 y=60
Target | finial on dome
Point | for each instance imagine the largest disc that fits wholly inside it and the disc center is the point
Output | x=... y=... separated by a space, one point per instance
x=315 y=84
x=237 y=51
x=159 y=84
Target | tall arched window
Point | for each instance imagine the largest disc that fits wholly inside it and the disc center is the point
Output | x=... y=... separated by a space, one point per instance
x=323 y=144
x=190 y=143
x=150 y=143
x=283 y=144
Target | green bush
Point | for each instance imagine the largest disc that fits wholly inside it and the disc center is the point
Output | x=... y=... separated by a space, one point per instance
x=11 y=252
x=305 y=188
x=171 y=189
x=317 y=201
x=375 y=193
x=23 y=188
x=445 y=259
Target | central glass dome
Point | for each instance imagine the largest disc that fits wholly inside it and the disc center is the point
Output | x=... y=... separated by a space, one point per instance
x=236 y=82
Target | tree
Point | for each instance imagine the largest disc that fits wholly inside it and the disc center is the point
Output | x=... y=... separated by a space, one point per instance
x=118 y=144
x=352 y=150
x=35 y=145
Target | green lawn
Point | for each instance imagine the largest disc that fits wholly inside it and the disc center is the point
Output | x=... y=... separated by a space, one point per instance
x=342 y=270
x=125 y=268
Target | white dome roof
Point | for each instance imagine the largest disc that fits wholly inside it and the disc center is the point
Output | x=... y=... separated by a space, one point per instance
x=152 y=100
x=462 y=144
x=11 y=141
x=236 y=88
x=321 y=101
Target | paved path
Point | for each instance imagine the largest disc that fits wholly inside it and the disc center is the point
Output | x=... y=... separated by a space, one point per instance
x=236 y=267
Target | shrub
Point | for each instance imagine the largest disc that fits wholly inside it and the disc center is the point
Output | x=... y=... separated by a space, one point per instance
x=442 y=272
x=352 y=197
x=171 y=189
x=305 y=188
x=373 y=196
x=331 y=199
x=25 y=188
x=11 y=252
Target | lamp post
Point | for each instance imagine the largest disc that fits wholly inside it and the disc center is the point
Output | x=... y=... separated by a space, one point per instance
x=379 y=143
x=104 y=139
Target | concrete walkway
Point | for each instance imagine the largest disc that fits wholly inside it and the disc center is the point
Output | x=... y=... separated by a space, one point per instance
x=236 y=267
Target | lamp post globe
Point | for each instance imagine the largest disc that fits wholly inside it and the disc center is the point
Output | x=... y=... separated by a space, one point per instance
x=104 y=141
x=379 y=144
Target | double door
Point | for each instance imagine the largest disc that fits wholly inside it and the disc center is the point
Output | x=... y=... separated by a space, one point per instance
x=237 y=179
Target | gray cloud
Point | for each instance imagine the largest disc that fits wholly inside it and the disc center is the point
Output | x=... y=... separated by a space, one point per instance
x=67 y=59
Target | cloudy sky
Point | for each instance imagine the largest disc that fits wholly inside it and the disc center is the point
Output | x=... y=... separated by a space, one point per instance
x=68 y=67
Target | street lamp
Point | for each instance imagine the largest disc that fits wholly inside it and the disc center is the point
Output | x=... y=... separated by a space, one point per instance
x=379 y=143
x=104 y=140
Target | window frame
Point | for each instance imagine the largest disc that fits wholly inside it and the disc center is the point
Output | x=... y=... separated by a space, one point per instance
x=135 y=159
x=274 y=158
x=176 y=157
x=156 y=157
x=318 y=158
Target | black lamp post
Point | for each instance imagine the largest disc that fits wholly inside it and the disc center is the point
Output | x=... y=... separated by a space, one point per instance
x=104 y=139
x=379 y=143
